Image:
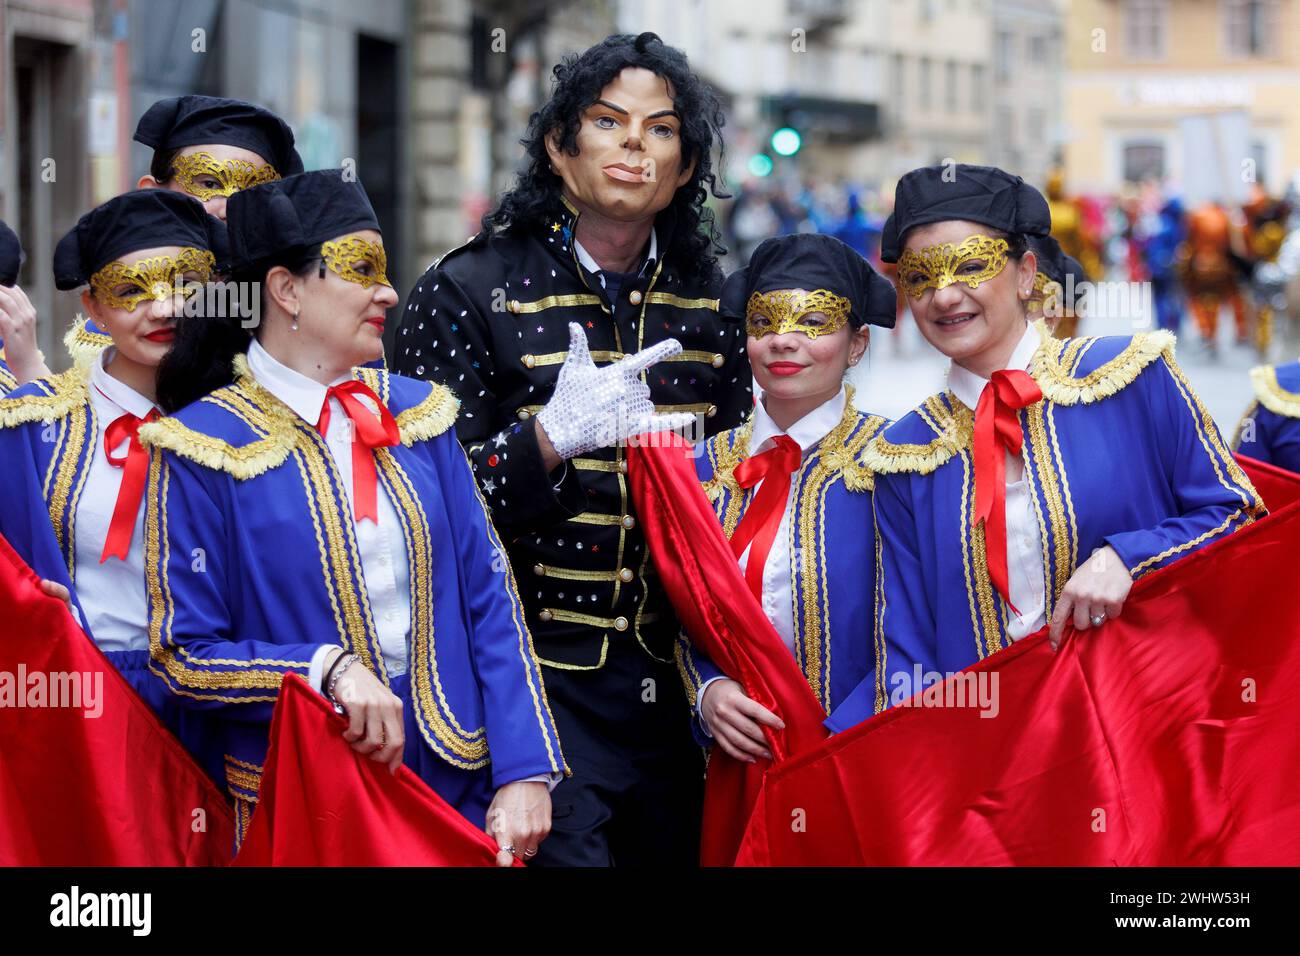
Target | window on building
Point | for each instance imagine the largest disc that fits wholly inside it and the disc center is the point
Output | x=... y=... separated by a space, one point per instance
x=924 y=84
x=950 y=86
x=977 y=87
x=1250 y=27
x=1259 y=153
x=1146 y=26
x=1038 y=50
x=1005 y=52
x=1144 y=159
x=898 y=90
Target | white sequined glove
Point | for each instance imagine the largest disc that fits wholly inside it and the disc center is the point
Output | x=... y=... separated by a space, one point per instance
x=598 y=407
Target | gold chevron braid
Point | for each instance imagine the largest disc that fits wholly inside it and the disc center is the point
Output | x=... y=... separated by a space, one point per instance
x=516 y=307
x=1272 y=395
x=667 y=298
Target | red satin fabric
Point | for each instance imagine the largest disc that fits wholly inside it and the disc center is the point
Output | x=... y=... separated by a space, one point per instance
x=763 y=516
x=112 y=790
x=370 y=431
x=135 y=465
x=323 y=804
x=1167 y=738
x=997 y=431
x=715 y=605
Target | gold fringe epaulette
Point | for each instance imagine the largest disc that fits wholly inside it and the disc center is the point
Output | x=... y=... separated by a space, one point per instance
x=954 y=423
x=955 y=426
x=67 y=391
x=243 y=461
x=263 y=412
x=1272 y=395
x=1063 y=388
x=432 y=416
x=848 y=457
x=84 y=347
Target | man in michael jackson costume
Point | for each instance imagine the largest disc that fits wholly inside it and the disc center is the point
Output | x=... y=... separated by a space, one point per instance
x=586 y=312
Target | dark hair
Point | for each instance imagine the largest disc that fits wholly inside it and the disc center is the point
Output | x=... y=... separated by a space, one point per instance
x=160 y=167
x=577 y=83
x=201 y=358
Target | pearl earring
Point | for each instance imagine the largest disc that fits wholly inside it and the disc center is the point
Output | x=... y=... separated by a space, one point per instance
x=294 y=324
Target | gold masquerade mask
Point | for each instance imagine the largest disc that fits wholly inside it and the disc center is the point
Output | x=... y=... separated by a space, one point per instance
x=342 y=256
x=787 y=310
x=232 y=174
x=157 y=278
x=972 y=261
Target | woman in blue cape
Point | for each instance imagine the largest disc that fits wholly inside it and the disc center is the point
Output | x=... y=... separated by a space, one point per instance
x=1048 y=476
x=315 y=518
x=789 y=486
x=71 y=439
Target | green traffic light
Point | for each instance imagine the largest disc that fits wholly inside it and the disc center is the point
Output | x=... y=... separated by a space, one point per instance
x=786 y=141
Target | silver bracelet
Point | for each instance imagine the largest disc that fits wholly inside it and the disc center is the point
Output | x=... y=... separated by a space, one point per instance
x=338 y=672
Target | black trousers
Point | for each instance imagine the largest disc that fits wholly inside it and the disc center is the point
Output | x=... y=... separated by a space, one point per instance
x=637 y=790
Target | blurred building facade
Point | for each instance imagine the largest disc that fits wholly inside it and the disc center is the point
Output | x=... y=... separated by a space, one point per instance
x=940 y=56
x=1027 y=86
x=1143 y=76
x=427 y=99
x=77 y=75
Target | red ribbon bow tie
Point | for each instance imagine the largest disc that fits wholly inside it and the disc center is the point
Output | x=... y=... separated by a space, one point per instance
x=774 y=468
x=997 y=431
x=135 y=466
x=370 y=430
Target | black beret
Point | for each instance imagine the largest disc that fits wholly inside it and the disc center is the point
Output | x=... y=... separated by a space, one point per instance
x=983 y=194
x=142 y=219
x=192 y=120
x=812 y=261
x=294 y=214
x=11 y=255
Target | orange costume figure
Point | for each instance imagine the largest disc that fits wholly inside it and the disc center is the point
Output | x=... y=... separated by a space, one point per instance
x=1209 y=272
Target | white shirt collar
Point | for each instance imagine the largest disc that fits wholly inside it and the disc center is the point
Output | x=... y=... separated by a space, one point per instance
x=591 y=265
x=304 y=395
x=967 y=386
x=116 y=391
x=806 y=432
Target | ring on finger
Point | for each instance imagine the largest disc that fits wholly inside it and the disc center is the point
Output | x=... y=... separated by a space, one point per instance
x=1097 y=619
x=530 y=852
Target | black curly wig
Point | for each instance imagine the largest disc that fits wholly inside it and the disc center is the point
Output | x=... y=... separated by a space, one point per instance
x=577 y=83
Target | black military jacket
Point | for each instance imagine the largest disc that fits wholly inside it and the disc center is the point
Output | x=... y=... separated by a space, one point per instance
x=490 y=320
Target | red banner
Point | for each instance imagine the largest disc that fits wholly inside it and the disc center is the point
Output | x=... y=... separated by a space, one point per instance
x=1168 y=738
x=323 y=804
x=88 y=774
